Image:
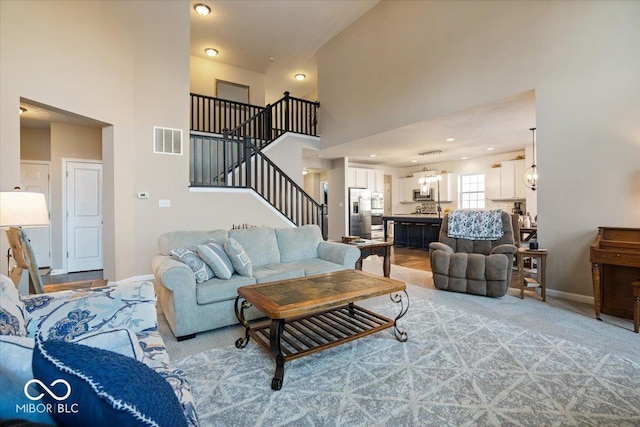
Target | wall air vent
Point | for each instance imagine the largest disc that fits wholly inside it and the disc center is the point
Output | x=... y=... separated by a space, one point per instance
x=167 y=141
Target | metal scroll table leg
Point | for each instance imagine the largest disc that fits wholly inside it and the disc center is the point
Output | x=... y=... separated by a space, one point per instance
x=239 y=309
x=398 y=299
x=275 y=335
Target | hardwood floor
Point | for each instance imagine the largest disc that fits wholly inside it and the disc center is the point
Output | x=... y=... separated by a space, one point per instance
x=418 y=259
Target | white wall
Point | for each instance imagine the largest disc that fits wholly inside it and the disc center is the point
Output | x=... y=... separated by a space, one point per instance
x=204 y=72
x=406 y=61
x=125 y=64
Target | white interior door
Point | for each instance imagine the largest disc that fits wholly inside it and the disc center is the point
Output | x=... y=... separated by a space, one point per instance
x=84 y=216
x=34 y=177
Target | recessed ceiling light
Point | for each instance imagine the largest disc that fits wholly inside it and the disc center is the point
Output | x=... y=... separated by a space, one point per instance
x=463 y=158
x=211 y=52
x=22 y=110
x=450 y=139
x=414 y=161
x=372 y=155
x=300 y=77
x=202 y=9
x=490 y=149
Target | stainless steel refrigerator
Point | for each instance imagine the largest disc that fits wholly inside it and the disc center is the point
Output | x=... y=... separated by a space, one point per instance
x=360 y=212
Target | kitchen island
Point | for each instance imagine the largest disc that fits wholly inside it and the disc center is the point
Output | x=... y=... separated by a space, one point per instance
x=413 y=230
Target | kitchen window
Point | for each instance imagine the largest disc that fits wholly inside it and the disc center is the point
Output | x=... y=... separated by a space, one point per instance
x=472 y=191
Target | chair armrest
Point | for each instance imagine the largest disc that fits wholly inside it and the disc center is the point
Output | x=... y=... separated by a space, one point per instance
x=504 y=249
x=339 y=253
x=437 y=246
x=173 y=274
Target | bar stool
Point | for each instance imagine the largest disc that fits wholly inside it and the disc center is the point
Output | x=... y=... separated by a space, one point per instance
x=400 y=237
x=636 y=305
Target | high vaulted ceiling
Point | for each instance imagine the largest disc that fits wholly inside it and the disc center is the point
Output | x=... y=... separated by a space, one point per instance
x=278 y=38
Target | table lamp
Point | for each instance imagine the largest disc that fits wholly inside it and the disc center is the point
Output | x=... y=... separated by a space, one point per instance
x=18 y=210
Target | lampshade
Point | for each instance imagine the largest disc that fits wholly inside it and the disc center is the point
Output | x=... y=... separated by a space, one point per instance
x=23 y=209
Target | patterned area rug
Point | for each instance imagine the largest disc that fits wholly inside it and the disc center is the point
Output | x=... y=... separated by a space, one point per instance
x=455 y=369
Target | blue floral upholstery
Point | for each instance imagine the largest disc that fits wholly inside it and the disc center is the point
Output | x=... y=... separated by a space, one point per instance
x=476 y=225
x=12 y=310
x=76 y=315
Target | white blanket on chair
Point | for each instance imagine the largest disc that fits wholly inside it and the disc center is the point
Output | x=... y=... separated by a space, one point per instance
x=476 y=225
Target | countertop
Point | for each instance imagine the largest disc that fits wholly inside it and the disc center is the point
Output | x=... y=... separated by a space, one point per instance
x=411 y=216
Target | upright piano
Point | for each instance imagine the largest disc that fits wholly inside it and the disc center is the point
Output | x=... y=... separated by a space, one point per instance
x=615 y=264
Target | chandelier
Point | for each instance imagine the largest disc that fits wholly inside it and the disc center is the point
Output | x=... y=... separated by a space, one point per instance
x=427 y=176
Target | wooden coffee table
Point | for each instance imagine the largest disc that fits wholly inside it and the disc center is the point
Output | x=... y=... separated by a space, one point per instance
x=313 y=313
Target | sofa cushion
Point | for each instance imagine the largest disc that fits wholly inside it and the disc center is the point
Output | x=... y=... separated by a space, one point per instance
x=275 y=272
x=239 y=258
x=298 y=243
x=12 y=312
x=119 y=340
x=101 y=395
x=184 y=239
x=74 y=313
x=216 y=290
x=214 y=255
x=260 y=243
x=316 y=266
x=200 y=268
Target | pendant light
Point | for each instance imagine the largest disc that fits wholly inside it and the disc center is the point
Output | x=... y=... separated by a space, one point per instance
x=531 y=174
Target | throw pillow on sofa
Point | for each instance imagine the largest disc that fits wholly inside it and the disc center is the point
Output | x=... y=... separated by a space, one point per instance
x=201 y=270
x=216 y=258
x=138 y=395
x=238 y=257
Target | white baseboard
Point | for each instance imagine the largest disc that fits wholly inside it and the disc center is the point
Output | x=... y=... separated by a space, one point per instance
x=570 y=296
x=134 y=279
x=57 y=272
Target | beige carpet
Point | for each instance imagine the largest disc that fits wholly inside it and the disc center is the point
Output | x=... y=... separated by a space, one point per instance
x=559 y=318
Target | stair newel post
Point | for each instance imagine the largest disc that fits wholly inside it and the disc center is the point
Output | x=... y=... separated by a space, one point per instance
x=286 y=112
x=225 y=159
x=267 y=124
x=247 y=161
x=324 y=209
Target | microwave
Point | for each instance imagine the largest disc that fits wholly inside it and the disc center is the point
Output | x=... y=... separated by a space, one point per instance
x=418 y=197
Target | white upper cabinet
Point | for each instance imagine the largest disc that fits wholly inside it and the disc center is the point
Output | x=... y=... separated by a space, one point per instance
x=506 y=182
x=372 y=179
x=358 y=177
x=375 y=179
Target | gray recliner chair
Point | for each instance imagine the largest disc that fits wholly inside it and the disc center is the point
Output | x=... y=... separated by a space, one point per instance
x=480 y=267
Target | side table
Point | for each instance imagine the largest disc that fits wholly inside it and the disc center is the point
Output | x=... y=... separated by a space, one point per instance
x=541 y=256
x=374 y=247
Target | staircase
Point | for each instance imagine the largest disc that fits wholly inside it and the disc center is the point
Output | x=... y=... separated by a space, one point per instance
x=227 y=139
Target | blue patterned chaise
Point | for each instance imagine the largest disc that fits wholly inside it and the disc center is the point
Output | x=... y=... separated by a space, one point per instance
x=102 y=318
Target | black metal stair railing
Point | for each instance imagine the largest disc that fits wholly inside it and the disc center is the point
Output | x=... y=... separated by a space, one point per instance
x=262 y=124
x=232 y=162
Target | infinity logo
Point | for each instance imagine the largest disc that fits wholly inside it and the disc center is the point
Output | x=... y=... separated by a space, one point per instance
x=51 y=393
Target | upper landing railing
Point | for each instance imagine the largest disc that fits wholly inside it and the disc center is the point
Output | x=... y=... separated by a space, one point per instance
x=262 y=124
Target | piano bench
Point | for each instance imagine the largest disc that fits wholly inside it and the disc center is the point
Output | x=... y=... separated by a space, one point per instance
x=636 y=305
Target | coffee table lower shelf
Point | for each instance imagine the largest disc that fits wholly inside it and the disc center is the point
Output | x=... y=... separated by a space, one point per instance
x=288 y=339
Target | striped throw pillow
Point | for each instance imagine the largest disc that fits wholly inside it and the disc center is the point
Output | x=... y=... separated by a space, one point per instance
x=216 y=258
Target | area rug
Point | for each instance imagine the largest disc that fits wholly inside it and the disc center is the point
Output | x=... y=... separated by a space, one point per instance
x=456 y=369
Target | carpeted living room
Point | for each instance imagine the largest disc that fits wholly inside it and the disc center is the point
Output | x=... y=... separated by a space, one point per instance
x=468 y=360
x=212 y=176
